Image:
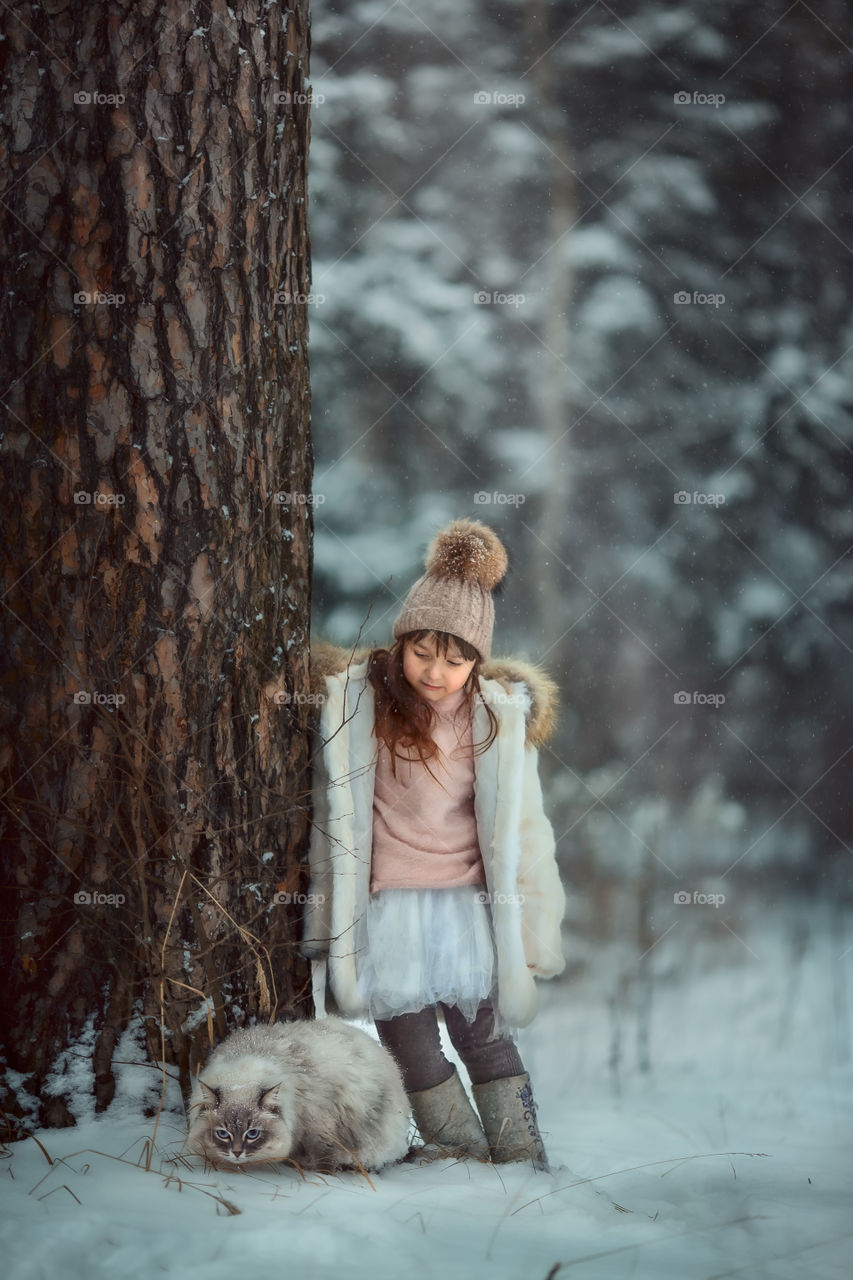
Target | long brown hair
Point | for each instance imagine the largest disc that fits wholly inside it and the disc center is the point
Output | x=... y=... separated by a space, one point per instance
x=403 y=719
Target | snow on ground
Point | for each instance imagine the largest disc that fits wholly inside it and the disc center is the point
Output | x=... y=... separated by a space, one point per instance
x=730 y=1156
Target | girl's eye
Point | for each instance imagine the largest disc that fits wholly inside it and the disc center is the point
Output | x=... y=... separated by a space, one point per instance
x=252 y=1135
x=223 y=1135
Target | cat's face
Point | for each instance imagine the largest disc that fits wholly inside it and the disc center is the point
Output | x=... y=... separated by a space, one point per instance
x=232 y=1131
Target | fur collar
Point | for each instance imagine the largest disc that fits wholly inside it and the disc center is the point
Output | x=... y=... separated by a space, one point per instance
x=330 y=659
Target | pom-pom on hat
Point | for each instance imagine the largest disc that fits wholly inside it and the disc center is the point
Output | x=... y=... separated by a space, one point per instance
x=464 y=564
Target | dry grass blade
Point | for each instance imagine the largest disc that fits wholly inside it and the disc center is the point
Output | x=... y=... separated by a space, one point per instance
x=162 y=994
x=264 y=1002
x=168 y=1177
x=253 y=943
x=253 y=1165
x=676 y=1160
x=355 y=1161
x=40 y=1147
x=64 y=1187
x=230 y=1208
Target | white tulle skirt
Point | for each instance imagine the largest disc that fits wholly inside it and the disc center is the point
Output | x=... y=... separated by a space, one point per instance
x=415 y=947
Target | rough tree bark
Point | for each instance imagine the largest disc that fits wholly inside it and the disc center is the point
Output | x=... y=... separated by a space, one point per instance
x=156 y=555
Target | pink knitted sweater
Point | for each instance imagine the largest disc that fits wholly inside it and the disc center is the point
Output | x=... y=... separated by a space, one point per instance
x=424 y=828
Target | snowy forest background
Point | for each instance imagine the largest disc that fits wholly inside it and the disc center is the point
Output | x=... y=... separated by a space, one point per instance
x=658 y=196
x=582 y=270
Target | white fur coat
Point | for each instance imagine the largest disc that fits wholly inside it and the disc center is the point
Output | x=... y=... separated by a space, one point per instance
x=516 y=839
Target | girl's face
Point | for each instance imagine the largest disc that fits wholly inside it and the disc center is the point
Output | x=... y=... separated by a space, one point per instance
x=432 y=676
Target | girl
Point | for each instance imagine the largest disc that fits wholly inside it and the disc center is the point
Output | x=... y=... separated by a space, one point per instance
x=433 y=877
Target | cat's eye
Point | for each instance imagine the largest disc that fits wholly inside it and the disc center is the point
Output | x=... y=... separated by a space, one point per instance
x=251 y=1135
x=223 y=1135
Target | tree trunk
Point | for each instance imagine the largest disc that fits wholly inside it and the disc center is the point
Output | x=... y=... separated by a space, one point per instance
x=157 y=466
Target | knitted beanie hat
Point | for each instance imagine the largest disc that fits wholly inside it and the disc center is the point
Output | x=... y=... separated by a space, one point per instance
x=464 y=564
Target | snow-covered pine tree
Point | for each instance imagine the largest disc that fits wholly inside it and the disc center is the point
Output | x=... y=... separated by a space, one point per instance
x=708 y=150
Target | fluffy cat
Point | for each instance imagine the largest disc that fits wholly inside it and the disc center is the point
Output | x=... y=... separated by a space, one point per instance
x=322 y=1094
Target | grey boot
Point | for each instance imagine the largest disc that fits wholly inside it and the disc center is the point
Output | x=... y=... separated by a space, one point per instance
x=508 y=1113
x=447 y=1122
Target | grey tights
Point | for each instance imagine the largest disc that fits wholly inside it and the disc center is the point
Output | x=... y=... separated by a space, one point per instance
x=414 y=1040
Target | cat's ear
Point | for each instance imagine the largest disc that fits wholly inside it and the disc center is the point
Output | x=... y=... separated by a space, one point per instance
x=211 y=1096
x=269 y=1098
